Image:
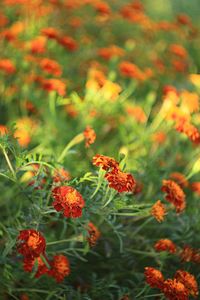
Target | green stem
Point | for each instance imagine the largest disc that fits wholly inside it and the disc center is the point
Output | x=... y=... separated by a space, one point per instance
x=9 y=162
x=76 y=140
x=75 y=238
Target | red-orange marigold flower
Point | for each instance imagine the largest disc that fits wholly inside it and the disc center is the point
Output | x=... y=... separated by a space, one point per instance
x=7 y=66
x=105 y=162
x=189 y=281
x=31 y=243
x=60 y=267
x=165 y=245
x=68 y=42
x=175 y=194
x=54 y=85
x=186 y=253
x=68 y=200
x=190 y=130
x=41 y=267
x=154 y=277
x=158 y=211
x=195 y=186
x=90 y=136
x=3 y=130
x=94 y=234
x=50 y=66
x=180 y=179
x=121 y=181
x=175 y=290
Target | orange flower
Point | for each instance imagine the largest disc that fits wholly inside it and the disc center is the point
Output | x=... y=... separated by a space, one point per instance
x=105 y=162
x=137 y=112
x=24 y=130
x=102 y=8
x=190 y=130
x=90 y=136
x=165 y=245
x=38 y=45
x=50 y=33
x=28 y=265
x=61 y=175
x=50 y=66
x=94 y=234
x=112 y=51
x=159 y=137
x=190 y=101
x=175 y=194
x=31 y=243
x=3 y=130
x=158 y=211
x=68 y=42
x=189 y=254
x=183 y=19
x=24 y=297
x=130 y=70
x=178 y=50
x=60 y=267
x=154 y=277
x=68 y=200
x=189 y=281
x=54 y=85
x=195 y=186
x=120 y=181
x=175 y=290
x=7 y=66
x=180 y=179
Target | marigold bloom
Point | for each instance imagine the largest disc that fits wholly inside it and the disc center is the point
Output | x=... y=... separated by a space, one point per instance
x=112 y=51
x=178 y=50
x=159 y=137
x=31 y=243
x=7 y=66
x=50 y=66
x=187 y=254
x=94 y=234
x=175 y=194
x=90 y=136
x=68 y=200
x=175 y=290
x=190 y=130
x=60 y=267
x=54 y=85
x=130 y=70
x=154 y=277
x=120 y=181
x=38 y=45
x=28 y=265
x=102 y=7
x=61 y=175
x=158 y=211
x=137 y=112
x=190 y=101
x=105 y=162
x=189 y=281
x=68 y=42
x=24 y=130
x=180 y=179
x=3 y=130
x=165 y=245
x=195 y=186
x=50 y=33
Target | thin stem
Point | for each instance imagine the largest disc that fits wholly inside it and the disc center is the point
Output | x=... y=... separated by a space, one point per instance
x=9 y=162
x=75 y=238
x=76 y=140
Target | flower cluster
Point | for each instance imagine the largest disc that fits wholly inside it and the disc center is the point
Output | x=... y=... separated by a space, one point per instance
x=175 y=194
x=117 y=179
x=181 y=287
x=32 y=245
